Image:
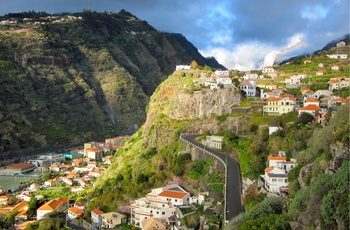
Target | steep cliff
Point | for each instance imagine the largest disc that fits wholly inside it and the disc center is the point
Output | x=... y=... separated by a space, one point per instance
x=66 y=79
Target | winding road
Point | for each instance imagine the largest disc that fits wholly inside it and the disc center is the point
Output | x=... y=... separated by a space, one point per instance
x=233 y=177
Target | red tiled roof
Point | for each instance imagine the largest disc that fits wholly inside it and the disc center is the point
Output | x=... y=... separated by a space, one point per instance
x=311 y=108
x=97 y=211
x=311 y=100
x=271 y=157
x=21 y=165
x=269 y=169
x=173 y=194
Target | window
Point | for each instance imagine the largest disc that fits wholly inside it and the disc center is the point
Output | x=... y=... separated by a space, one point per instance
x=163 y=213
x=285 y=180
x=175 y=200
x=274 y=180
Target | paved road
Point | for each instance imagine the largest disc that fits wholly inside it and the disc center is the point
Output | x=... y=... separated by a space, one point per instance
x=233 y=184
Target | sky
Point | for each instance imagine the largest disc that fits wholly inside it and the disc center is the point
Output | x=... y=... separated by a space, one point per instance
x=240 y=34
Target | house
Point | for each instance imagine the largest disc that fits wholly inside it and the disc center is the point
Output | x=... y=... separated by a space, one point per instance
x=322 y=92
x=159 y=203
x=74 y=213
x=221 y=73
x=19 y=168
x=249 y=87
x=335 y=67
x=214 y=142
x=4 y=200
x=58 y=204
x=337 y=56
x=267 y=69
x=311 y=101
x=311 y=109
x=225 y=80
x=155 y=223
x=112 y=219
x=319 y=73
x=94 y=153
x=274 y=179
x=341 y=44
x=271 y=86
x=179 y=67
x=279 y=105
x=272 y=74
x=96 y=216
x=250 y=76
x=274 y=160
x=79 y=205
x=50 y=183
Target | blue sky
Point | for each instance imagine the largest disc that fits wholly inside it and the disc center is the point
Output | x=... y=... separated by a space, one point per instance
x=240 y=34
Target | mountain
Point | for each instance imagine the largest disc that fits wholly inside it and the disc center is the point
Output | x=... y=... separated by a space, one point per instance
x=331 y=45
x=66 y=79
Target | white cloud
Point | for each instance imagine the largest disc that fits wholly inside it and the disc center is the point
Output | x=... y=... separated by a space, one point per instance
x=253 y=55
x=244 y=57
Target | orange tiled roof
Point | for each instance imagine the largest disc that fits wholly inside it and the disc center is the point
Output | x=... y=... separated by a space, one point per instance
x=76 y=210
x=97 y=211
x=311 y=100
x=272 y=157
x=310 y=108
x=269 y=169
x=173 y=194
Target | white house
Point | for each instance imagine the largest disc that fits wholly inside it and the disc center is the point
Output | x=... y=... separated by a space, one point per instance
x=338 y=56
x=178 y=67
x=267 y=69
x=221 y=73
x=249 y=87
x=274 y=179
x=58 y=204
x=311 y=109
x=311 y=101
x=74 y=213
x=225 y=80
x=159 y=203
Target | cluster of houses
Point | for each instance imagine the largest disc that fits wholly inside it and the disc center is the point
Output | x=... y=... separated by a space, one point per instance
x=76 y=170
x=275 y=179
x=41 y=20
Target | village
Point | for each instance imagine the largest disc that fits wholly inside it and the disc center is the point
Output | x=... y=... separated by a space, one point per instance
x=78 y=169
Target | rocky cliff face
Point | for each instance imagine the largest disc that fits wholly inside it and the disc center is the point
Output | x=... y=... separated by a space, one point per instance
x=178 y=101
x=69 y=79
x=204 y=103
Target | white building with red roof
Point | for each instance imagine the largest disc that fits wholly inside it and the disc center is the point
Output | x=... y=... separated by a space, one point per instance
x=58 y=204
x=159 y=203
x=311 y=109
x=311 y=101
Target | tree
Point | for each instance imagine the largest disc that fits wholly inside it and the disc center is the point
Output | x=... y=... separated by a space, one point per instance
x=194 y=64
x=304 y=119
x=32 y=206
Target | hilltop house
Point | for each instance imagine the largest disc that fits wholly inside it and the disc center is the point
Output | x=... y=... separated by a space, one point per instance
x=337 y=56
x=267 y=69
x=159 y=203
x=58 y=204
